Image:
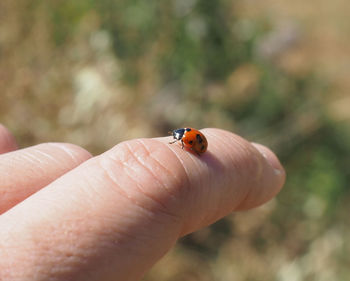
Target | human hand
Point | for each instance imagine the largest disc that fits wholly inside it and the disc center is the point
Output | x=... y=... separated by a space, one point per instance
x=111 y=217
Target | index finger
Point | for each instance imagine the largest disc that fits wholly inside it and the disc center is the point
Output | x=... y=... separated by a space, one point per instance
x=116 y=214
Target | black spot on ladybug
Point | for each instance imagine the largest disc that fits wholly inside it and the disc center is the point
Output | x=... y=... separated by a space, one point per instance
x=190 y=142
x=199 y=138
x=188 y=129
x=202 y=147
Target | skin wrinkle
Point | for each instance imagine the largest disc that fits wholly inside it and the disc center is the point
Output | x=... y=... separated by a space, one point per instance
x=189 y=183
x=126 y=168
x=38 y=170
x=29 y=157
x=187 y=196
x=137 y=184
x=186 y=172
x=163 y=208
x=91 y=190
x=144 y=164
x=167 y=171
x=67 y=151
x=48 y=156
x=121 y=192
x=119 y=189
x=36 y=160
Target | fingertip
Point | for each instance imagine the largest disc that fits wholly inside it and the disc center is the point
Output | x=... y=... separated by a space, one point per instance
x=254 y=169
x=279 y=174
x=7 y=140
x=270 y=180
x=38 y=166
x=271 y=158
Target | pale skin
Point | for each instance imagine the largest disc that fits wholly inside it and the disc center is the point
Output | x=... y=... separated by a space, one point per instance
x=113 y=216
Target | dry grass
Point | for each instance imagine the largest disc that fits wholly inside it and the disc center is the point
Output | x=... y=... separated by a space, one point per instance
x=61 y=80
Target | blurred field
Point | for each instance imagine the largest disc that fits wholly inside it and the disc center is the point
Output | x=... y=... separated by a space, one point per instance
x=95 y=73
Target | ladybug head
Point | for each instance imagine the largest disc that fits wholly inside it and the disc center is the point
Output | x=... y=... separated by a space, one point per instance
x=178 y=133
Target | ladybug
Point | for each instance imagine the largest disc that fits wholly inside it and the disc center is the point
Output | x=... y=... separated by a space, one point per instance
x=191 y=138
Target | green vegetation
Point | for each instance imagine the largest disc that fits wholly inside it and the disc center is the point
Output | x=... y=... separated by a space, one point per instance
x=98 y=72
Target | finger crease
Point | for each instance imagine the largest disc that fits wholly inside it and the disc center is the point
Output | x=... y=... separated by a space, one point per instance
x=167 y=171
x=139 y=187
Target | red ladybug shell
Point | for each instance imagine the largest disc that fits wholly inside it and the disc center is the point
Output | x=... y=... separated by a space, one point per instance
x=191 y=138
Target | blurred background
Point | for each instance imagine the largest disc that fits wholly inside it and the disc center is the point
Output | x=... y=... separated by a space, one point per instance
x=95 y=73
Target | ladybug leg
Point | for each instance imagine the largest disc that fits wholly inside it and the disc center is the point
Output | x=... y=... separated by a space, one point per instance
x=173 y=141
x=182 y=144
